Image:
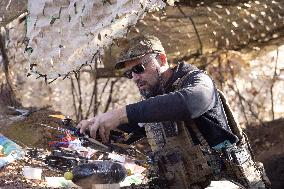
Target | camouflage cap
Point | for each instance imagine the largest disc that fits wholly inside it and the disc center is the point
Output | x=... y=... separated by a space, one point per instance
x=138 y=47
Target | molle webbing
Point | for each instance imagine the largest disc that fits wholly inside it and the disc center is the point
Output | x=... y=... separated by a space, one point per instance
x=178 y=84
x=178 y=155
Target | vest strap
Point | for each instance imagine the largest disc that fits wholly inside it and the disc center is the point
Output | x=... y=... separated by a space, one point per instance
x=177 y=84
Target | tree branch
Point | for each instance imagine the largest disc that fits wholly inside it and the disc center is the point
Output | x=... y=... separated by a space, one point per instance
x=74 y=98
x=195 y=29
x=272 y=85
x=110 y=93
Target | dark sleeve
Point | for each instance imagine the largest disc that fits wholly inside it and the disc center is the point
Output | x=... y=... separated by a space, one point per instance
x=195 y=98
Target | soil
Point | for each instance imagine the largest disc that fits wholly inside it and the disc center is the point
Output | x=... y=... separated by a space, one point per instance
x=266 y=142
x=31 y=131
x=11 y=176
x=268 y=147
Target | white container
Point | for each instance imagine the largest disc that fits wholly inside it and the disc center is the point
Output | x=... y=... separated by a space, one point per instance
x=60 y=182
x=105 y=186
x=32 y=173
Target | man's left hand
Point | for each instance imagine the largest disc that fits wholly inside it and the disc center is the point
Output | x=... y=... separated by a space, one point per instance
x=105 y=122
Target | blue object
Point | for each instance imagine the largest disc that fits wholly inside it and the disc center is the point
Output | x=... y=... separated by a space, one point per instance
x=12 y=151
x=224 y=144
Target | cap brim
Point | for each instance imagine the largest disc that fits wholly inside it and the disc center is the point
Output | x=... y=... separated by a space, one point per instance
x=121 y=63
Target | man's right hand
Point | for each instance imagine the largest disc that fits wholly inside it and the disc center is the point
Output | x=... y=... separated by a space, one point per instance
x=104 y=123
x=84 y=127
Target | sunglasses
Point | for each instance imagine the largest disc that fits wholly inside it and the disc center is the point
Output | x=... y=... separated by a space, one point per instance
x=138 y=69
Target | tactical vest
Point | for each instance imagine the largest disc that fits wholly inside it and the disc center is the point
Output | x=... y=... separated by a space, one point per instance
x=186 y=165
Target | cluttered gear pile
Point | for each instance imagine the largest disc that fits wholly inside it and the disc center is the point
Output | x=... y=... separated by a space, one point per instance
x=79 y=158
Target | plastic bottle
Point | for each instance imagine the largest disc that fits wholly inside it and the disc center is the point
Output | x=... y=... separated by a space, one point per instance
x=11 y=151
x=98 y=172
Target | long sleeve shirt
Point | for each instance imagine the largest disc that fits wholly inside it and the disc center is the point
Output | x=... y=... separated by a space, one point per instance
x=196 y=100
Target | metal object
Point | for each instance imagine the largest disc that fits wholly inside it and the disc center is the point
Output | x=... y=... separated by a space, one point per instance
x=97 y=142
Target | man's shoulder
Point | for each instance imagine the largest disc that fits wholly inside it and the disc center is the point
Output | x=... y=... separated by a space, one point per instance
x=184 y=68
x=187 y=70
x=192 y=76
x=185 y=73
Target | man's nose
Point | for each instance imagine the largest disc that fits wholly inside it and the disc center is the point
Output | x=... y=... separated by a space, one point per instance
x=136 y=76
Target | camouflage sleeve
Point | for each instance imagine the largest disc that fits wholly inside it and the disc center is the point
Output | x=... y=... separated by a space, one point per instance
x=196 y=96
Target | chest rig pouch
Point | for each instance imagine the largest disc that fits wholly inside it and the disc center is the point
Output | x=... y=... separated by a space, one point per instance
x=178 y=160
x=237 y=159
x=184 y=164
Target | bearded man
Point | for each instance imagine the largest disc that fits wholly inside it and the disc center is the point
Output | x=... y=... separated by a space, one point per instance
x=184 y=120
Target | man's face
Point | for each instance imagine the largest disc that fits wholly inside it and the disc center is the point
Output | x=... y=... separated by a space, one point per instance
x=148 y=81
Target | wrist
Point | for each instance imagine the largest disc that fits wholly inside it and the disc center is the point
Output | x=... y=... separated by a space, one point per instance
x=122 y=115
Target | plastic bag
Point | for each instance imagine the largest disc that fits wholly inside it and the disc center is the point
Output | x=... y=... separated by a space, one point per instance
x=11 y=150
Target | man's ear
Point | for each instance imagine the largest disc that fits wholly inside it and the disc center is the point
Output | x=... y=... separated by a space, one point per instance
x=163 y=59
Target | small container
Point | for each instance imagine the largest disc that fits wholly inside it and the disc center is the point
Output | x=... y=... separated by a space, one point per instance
x=32 y=173
x=105 y=186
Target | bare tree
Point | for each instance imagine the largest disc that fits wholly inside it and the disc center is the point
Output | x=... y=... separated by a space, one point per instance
x=8 y=92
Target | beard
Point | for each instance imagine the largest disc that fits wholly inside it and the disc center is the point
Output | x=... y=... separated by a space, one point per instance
x=154 y=90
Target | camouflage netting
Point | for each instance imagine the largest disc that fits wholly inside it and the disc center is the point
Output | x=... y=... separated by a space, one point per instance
x=201 y=27
x=11 y=9
x=65 y=35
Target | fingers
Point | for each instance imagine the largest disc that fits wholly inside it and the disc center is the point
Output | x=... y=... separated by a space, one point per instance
x=102 y=134
x=93 y=128
x=83 y=125
x=104 y=122
x=107 y=133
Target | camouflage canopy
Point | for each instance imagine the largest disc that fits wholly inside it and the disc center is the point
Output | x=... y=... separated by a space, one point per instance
x=194 y=28
x=64 y=34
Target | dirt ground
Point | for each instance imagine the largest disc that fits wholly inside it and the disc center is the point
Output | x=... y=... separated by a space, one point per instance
x=29 y=133
x=266 y=142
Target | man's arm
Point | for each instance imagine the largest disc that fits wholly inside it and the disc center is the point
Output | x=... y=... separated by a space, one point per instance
x=195 y=98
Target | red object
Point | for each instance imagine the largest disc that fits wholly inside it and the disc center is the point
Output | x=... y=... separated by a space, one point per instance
x=64 y=142
x=68 y=138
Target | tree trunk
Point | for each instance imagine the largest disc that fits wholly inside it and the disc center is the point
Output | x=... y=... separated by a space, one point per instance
x=8 y=94
x=11 y=9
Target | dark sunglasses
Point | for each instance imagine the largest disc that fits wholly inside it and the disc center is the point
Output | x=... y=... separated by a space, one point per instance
x=138 y=69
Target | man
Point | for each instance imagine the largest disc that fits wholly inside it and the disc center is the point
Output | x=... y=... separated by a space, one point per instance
x=184 y=120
